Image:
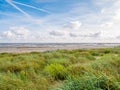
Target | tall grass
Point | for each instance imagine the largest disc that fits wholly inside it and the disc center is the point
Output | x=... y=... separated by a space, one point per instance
x=82 y=69
x=90 y=82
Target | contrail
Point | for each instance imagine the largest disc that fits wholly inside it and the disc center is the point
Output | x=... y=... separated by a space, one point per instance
x=31 y=7
x=10 y=2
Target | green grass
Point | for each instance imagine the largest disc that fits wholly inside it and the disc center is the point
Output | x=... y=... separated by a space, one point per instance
x=80 y=69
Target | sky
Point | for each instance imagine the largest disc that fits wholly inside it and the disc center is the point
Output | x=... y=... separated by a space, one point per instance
x=59 y=21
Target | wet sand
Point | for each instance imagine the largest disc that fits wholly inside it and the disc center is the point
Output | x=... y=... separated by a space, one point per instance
x=21 y=49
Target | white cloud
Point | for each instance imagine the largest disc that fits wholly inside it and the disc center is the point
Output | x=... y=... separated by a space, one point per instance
x=95 y=35
x=8 y=34
x=17 y=33
x=20 y=31
x=118 y=37
x=101 y=2
x=115 y=20
x=58 y=33
x=87 y=35
x=74 y=34
x=73 y=25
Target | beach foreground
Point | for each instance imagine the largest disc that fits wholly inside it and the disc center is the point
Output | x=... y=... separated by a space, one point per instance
x=78 y=69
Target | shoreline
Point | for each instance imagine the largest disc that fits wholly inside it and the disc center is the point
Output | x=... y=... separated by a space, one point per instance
x=25 y=49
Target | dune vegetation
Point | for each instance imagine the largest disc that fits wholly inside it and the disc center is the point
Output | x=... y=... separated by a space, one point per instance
x=81 y=69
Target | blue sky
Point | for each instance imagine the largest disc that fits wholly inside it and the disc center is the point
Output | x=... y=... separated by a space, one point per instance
x=59 y=21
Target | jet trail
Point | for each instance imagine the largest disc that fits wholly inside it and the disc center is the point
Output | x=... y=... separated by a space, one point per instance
x=31 y=6
x=10 y=2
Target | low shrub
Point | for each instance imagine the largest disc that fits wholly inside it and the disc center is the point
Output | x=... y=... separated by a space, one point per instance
x=90 y=82
x=95 y=53
x=87 y=55
x=62 y=61
x=56 y=71
x=76 y=70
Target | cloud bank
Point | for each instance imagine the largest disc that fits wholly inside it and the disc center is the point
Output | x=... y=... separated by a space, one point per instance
x=82 y=22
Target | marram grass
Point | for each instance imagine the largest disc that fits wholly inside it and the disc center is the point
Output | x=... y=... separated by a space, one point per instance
x=81 y=69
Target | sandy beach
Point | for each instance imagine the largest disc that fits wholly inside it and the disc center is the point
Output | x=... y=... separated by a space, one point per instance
x=47 y=47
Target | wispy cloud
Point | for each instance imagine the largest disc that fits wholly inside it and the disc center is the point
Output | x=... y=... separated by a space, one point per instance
x=43 y=10
x=41 y=1
x=16 y=7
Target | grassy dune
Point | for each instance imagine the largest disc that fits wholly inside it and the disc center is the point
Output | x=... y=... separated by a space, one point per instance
x=83 y=69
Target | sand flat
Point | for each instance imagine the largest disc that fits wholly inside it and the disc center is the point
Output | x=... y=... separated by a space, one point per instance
x=47 y=47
